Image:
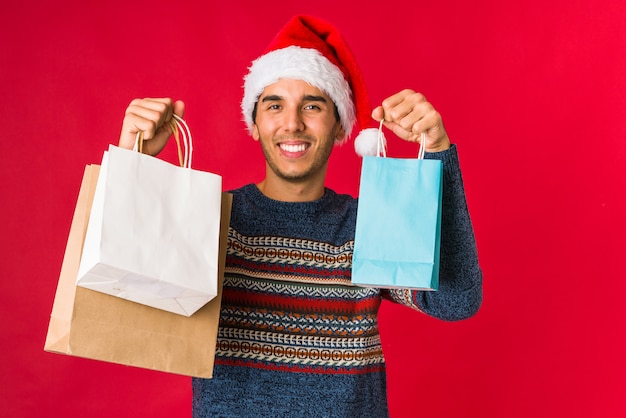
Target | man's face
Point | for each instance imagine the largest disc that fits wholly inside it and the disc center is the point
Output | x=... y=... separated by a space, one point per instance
x=297 y=127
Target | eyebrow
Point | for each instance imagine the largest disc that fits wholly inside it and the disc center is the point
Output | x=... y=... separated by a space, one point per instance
x=311 y=98
x=307 y=98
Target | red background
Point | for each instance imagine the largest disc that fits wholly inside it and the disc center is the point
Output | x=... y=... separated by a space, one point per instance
x=533 y=94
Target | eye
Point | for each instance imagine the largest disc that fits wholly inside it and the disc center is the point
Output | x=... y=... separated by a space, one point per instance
x=312 y=106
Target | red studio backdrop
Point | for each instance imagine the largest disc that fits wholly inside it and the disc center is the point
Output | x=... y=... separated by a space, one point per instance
x=532 y=93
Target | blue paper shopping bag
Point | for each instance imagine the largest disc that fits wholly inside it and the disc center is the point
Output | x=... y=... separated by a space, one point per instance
x=398 y=223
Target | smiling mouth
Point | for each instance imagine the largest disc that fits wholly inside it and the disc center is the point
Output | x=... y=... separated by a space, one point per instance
x=293 y=148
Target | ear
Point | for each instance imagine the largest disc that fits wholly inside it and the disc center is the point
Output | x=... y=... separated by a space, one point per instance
x=255 y=132
x=340 y=134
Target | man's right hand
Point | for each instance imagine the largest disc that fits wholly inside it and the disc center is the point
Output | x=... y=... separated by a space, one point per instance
x=152 y=116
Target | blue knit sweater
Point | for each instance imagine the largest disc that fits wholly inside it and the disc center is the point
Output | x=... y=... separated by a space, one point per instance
x=295 y=337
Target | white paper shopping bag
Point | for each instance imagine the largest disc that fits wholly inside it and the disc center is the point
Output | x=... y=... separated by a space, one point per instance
x=153 y=233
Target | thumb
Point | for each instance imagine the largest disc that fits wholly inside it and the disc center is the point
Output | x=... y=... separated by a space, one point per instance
x=378 y=113
x=179 y=108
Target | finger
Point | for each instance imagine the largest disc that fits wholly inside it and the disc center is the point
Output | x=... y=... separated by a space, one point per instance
x=398 y=105
x=410 y=110
x=397 y=98
x=431 y=120
x=163 y=106
x=378 y=113
x=131 y=126
x=435 y=133
x=410 y=120
x=142 y=115
x=148 y=115
x=179 y=108
x=422 y=119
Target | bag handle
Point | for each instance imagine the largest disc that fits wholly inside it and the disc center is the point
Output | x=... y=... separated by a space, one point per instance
x=381 y=143
x=178 y=127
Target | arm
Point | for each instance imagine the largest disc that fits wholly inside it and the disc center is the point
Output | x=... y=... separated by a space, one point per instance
x=408 y=115
x=460 y=277
x=150 y=116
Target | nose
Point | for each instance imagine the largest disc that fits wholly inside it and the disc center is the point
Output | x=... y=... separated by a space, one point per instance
x=293 y=120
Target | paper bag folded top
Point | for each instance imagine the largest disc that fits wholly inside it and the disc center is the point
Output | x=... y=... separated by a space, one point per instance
x=153 y=234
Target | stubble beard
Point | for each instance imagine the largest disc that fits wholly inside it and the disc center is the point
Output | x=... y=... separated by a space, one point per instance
x=321 y=158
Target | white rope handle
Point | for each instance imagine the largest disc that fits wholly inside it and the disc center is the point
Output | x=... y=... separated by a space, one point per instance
x=420 y=154
x=181 y=126
x=381 y=145
x=138 y=140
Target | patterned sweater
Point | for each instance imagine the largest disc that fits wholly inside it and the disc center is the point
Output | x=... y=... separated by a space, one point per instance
x=296 y=338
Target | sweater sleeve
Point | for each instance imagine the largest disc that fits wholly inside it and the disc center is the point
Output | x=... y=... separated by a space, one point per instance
x=460 y=277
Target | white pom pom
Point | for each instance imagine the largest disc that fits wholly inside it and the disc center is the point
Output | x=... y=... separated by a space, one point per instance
x=366 y=142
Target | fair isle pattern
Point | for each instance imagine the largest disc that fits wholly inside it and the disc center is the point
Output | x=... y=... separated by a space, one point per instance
x=357 y=319
x=289 y=259
x=404 y=297
x=288 y=304
x=304 y=290
x=327 y=329
x=310 y=323
x=299 y=352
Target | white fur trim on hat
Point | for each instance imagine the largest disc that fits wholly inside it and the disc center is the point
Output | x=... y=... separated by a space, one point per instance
x=304 y=64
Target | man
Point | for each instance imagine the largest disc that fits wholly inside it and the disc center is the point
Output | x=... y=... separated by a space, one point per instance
x=296 y=338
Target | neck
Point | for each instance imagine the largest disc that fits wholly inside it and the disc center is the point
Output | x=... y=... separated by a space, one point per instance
x=285 y=190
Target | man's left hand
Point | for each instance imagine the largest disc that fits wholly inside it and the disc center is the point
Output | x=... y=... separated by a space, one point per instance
x=408 y=114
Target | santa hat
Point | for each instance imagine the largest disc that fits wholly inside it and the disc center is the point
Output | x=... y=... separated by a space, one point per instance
x=312 y=50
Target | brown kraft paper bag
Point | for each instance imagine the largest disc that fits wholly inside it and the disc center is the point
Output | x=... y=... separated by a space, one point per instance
x=94 y=325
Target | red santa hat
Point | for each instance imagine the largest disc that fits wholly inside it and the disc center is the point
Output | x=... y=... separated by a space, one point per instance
x=312 y=50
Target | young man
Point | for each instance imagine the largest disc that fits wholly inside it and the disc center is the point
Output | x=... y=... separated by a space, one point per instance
x=296 y=338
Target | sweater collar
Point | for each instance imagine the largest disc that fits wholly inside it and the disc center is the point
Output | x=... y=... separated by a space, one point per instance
x=253 y=192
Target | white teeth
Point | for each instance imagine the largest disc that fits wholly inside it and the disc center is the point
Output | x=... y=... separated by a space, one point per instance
x=293 y=148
